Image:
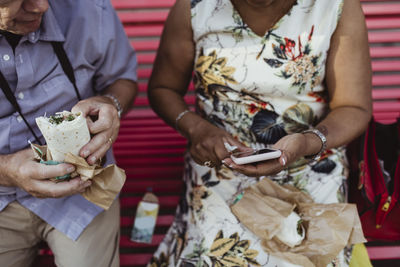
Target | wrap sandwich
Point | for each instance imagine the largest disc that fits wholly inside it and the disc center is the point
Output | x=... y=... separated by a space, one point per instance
x=65 y=132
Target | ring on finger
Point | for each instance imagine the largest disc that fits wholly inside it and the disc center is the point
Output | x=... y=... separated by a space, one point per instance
x=207 y=163
x=110 y=141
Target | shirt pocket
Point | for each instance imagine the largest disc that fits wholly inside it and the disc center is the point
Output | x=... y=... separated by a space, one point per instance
x=59 y=87
x=55 y=94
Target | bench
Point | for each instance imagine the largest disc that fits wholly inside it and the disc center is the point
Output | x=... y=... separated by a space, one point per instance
x=151 y=152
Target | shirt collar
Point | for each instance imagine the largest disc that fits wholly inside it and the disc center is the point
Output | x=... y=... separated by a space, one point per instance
x=49 y=29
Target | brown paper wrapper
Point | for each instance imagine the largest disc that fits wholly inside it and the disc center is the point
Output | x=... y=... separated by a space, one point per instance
x=106 y=182
x=329 y=227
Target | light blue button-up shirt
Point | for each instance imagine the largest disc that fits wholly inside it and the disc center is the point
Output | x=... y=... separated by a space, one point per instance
x=100 y=53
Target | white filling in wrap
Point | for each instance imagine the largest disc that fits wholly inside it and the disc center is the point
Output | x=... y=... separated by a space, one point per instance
x=289 y=230
x=67 y=136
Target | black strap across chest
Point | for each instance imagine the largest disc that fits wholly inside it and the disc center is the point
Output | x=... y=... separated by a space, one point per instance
x=68 y=70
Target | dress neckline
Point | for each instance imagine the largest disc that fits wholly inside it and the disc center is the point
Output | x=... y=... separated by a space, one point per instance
x=273 y=27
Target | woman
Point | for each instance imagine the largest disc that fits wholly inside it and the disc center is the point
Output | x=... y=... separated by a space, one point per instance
x=292 y=74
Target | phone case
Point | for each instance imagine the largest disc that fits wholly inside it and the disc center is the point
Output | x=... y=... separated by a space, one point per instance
x=256 y=158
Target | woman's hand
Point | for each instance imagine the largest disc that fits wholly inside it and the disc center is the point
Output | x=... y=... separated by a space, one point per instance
x=293 y=147
x=207 y=144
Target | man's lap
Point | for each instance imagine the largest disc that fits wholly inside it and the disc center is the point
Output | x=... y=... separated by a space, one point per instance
x=21 y=231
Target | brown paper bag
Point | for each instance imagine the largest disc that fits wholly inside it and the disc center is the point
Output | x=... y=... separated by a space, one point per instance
x=329 y=227
x=106 y=182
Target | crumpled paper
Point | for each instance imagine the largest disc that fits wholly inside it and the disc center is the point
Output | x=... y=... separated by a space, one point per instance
x=329 y=227
x=106 y=184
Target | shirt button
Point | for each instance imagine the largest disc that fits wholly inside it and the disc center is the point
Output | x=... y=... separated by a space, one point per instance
x=21 y=95
x=19 y=118
x=6 y=57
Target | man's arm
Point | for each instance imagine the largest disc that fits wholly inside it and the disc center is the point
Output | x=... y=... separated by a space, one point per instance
x=116 y=75
x=21 y=170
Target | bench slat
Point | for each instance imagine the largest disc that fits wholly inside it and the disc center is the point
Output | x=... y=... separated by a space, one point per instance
x=146 y=58
x=386 y=106
x=143 y=17
x=144 y=144
x=134 y=259
x=386 y=65
x=127 y=243
x=145 y=45
x=384 y=37
x=147 y=30
x=386 y=80
x=150 y=172
x=385 y=52
x=383 y=23
x=143 y=87
x=143 y=101
x=169 y=201
x=384 y=252
x=138 y=4
x=393 y=93
x=381 y=9
x=137 y=186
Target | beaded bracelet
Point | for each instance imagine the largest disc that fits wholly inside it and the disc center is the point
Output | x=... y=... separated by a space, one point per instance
x=116 y=102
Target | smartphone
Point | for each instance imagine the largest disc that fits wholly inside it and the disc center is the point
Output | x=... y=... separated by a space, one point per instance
x=255 y=155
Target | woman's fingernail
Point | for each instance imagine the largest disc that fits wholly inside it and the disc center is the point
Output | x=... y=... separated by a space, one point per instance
x=283 y=161
x=228 y=147
x=86 y=153
x=70 y=169
x=93 y=159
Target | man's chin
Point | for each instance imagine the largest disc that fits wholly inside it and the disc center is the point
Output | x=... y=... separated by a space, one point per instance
x=23 y=28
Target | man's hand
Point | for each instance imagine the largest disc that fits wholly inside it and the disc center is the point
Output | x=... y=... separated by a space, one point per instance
x=104 y=128
x=21 y=170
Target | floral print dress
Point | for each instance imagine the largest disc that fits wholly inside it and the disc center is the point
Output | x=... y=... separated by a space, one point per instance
x=259 y=89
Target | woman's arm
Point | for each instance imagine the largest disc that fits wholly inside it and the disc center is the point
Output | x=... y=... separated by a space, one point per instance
x=168 y=84
x=172 y=69
x=348 y=80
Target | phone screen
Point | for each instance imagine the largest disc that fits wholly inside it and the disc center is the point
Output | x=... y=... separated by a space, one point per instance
x=254 y=152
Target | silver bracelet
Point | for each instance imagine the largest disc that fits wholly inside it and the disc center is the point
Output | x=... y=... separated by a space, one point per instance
x=322 y=137
x=179 y=117
x=116 y=102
